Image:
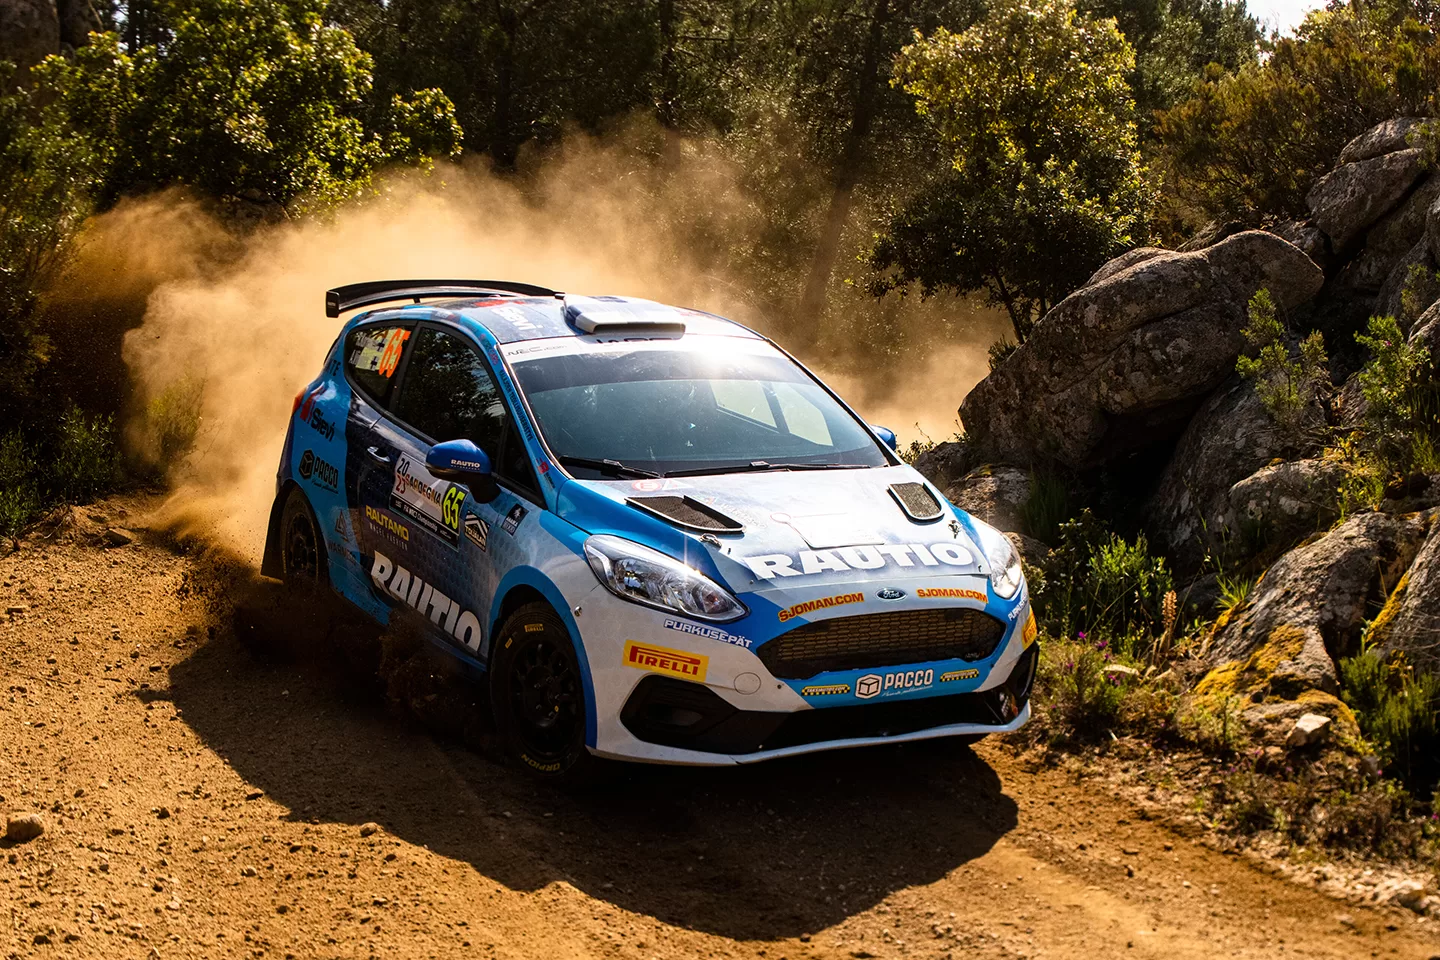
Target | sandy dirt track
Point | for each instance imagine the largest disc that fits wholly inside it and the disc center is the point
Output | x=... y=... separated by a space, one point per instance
x=204 y=801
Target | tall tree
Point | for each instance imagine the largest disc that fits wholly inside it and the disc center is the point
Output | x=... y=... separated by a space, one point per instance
x=1044 y=181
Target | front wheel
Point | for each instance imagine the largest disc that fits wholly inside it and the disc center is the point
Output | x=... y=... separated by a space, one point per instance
x=538 y=697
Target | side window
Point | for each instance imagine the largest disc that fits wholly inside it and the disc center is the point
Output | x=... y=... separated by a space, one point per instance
x=372 y=355
x=448 y=393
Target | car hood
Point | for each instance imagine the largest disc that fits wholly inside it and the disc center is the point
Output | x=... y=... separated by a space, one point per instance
x=782 y=528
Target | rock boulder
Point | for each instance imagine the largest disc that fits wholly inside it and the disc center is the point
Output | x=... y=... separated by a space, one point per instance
x=1380 y=139
x=1309 y=608
x=1124 y=361
x=994 y=493
x=1284 y=502
x=1409 y=623
x=1229 y=439
x=1350 y=198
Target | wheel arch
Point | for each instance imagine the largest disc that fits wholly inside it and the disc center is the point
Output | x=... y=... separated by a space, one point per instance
x=271 y=564
x=527 y=585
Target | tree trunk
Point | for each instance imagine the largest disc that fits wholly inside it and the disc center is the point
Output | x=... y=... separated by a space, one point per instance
x=669 y=84
x=847 y=176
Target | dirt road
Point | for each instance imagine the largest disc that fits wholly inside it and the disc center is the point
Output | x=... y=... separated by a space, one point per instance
x=203 y=802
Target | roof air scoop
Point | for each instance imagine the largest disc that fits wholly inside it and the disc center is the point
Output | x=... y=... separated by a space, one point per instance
x=622 y=315
x=917 y=501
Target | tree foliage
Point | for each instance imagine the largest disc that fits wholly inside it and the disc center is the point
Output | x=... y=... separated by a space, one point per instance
x=259 y=98
x=1045 y=180
x=1249 y=144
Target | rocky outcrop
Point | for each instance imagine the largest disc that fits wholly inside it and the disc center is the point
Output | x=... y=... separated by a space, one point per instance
x=1284 y=502
x=994 y=494
x=1409 y=624
x=1229 y=439
x=1382 y=138
x=947 y=462
x=1352 y=197
x=1393 y=239
x=1125 y=361
x=1310 y=607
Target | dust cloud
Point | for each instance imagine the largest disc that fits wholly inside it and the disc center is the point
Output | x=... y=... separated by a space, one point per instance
x=237 y=324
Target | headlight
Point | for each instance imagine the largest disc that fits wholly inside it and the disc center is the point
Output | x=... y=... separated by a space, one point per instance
x=637 y=573
x=1005 y=574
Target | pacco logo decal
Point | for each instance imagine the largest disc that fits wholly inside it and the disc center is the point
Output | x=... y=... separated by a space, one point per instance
x=874 y=684
x=768 y=566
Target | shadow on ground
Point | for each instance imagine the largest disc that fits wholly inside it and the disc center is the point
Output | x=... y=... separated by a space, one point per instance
x=763 y=852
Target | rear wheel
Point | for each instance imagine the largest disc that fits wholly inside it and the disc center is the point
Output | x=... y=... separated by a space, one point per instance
x=302 y=550
x=538 y=695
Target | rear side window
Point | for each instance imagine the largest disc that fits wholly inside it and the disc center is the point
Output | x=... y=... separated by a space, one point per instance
x=448 y=393
x=372 y=357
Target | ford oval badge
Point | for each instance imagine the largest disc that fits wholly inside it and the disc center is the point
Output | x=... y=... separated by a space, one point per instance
x=890 y=593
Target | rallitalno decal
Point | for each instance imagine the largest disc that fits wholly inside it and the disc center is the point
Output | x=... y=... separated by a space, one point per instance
x=825 y=690
x=900 y=681
x=710 y=633
x=434 y=504
x=445 y=613
x=768 y=566
x=800 y=609
x=952 y=593
x=677 y=663
x=953 y=675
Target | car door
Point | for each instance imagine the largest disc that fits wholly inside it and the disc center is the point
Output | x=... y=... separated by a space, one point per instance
x=459 y=547
x=374 y=355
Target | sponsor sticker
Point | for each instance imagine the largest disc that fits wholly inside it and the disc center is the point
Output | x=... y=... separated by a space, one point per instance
x=434 y=504
x=390 y=353
x=825 y=690
x=899 y=681
x=768 y=566
x=477 y=531
x=319 y=472
x=676 y=663
x=512 y=520
x=1027 y=637
x=709 y=633
x=409 y=589
x=952 y=593
x=809 y=606
x=389 y=524
x=953 y=675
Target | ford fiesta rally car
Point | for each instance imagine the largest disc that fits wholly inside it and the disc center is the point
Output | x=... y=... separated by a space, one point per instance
x=650 y=532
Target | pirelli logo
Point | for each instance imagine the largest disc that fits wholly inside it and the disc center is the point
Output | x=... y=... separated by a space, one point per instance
x=809 y=606
x=645 y=656
x=952 y=593
x=953 y=675
x=1028 y=636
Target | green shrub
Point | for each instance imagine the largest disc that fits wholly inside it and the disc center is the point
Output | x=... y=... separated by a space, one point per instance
x=1047 y=506
x=1285 y=386
x=19 y=500
x=1103 y=586
x=1402 y=400
x=173 y=419
x=1234 y=591
x=85 y=456
x=1000 y=351
x=1399 y=711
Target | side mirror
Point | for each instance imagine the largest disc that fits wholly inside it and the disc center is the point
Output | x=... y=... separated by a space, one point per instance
x=886 y=434
x=460 y=461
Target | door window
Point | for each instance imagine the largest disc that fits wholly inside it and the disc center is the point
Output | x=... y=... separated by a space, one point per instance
x=372 y=357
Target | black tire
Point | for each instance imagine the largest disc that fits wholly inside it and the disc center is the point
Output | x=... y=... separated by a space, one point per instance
x=538 y=697
x=970 y=739
x=302 y=549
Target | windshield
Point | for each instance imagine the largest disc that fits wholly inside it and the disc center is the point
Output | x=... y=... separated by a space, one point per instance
x=697 y=405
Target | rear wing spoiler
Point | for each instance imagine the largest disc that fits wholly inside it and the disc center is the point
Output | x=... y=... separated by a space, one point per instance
x=355 y=295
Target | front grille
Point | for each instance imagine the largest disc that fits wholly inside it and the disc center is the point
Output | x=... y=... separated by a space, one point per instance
x=882 y=640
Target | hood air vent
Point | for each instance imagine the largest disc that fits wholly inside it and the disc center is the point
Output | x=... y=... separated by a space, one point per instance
x=917 y=501
x=687 y=512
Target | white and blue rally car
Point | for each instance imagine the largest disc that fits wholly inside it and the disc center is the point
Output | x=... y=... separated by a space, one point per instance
x=651 y=532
